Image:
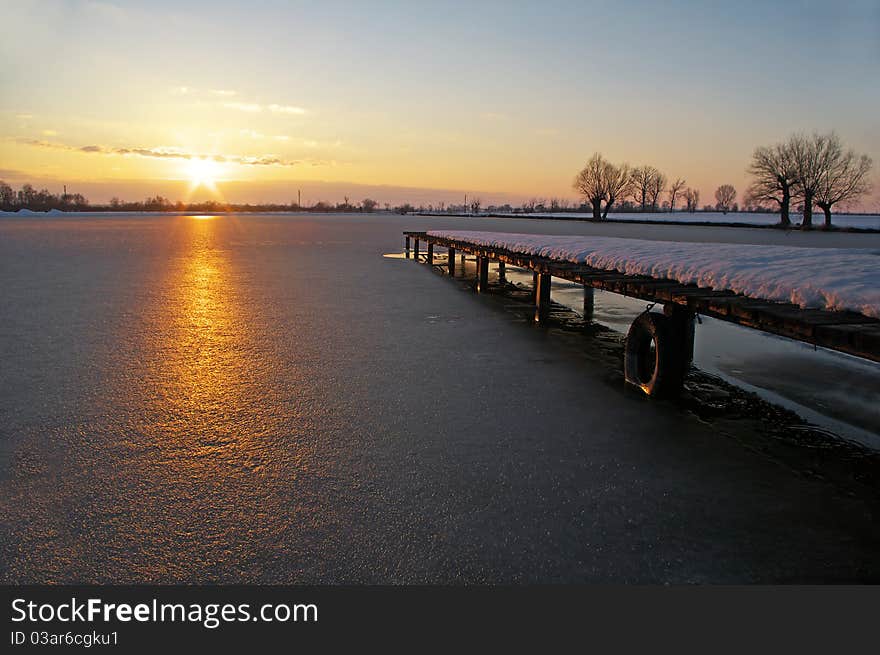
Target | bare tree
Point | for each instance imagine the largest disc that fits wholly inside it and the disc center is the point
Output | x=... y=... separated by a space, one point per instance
x=600 y=182
x=641 y=180
x=674 y=189
x=618 y=180
x=812 y=157
x=476 y=203
x=845 y=179
x=647 y=183
x=658 y=182
x=725 y=195
x=775 y=174
x=692 y=199
x=368 y=205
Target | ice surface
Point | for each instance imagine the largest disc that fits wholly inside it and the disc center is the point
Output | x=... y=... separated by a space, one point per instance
x=825 y=278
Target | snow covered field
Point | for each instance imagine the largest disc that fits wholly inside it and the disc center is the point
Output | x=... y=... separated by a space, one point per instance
x=865 y=222
x=824 y=278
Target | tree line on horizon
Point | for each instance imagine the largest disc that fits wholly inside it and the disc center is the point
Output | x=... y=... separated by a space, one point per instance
x=30 y=198
x=805 y=170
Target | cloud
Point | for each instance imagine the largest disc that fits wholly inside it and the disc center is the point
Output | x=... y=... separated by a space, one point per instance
x=243 y=106
x=253 y=107
x=286 y=109
x=50 y=133
x=226 y=93
x=253 y=134
x=171 y=153
x=493 y=116
x=24 y=117
x=311 y=143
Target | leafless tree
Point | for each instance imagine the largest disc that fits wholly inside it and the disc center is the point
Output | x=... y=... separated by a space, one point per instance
x=845 y=179
x=725 y=195
x=7 y=196
x=674 y=189
x=774 y=177
x=600 y=182
x=658 y=182
x=692 y=199
x=368 y=205
x=647 y=183
x=812 y=157
x=476 y=203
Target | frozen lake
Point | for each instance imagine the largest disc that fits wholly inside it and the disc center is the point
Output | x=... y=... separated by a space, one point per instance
x=266 y=398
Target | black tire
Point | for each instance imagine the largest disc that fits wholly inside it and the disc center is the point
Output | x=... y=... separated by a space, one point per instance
x=653 y=359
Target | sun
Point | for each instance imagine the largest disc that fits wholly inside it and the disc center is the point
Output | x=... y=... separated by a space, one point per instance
x=203 y=172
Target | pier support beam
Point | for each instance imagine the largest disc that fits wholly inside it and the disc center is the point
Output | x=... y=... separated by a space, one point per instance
x=482 y=274
x=450 y=260
x=430 y=259
x=502 y=272
x=542 y=297
x=589 y=303
x=407 y=246
x=416 y=250
x=682 y=326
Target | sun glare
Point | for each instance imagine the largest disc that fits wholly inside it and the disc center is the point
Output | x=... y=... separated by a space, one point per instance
x=203 y=172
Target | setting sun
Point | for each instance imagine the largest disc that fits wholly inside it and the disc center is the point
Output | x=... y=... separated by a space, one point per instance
x=203 y=172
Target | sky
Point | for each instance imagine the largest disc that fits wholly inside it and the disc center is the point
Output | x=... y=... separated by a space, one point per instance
x=420 y=101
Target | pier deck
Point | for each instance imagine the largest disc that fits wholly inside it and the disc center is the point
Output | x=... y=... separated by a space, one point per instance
x=845 y=331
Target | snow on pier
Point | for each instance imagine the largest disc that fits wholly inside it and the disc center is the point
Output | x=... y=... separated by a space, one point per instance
x=821 y=278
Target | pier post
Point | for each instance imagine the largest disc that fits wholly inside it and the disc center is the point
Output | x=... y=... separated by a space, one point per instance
x=542 y=297
x=682 y=320
x=430 y=258
x=450 y=260
x=416 y=250
x=407 y=246
x=502 y=273
x=589 y=303
x=482 y=274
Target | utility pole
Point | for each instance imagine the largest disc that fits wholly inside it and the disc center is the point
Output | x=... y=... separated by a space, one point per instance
x=299 y=198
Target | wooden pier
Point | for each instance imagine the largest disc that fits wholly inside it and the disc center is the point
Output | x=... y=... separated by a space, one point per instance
x=844 y=331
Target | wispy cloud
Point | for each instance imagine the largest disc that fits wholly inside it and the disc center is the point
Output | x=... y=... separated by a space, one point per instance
x=244 y=106
x=225 y=93
x=311 y=143
x=169 y=153
x=286 y=109
x=50 y=133
x=253 y=107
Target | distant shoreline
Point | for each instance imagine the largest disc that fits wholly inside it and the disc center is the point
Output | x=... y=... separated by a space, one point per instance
x=818 y=227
